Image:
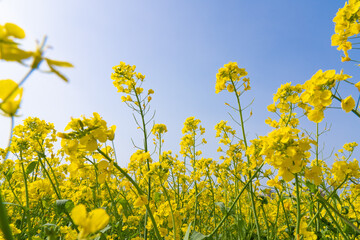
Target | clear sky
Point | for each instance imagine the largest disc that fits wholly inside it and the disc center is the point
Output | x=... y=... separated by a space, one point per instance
x=179 y=46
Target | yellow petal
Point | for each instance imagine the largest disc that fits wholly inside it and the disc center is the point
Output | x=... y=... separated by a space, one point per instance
x=348 y=104
x=14 y=30
x=79 y=215
x=11 y=105
x=98 y=219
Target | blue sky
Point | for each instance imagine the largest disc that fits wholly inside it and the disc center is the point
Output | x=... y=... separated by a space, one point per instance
x=179 y=46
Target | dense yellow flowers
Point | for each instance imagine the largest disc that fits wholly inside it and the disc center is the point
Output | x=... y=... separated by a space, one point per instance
x=48 y=187
x=86 y=134
x=346 y=25
x=317 y=93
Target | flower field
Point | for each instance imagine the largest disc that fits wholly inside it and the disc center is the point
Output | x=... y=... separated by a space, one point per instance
x=69 y=184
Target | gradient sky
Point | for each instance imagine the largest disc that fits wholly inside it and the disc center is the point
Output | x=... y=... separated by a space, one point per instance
x=179 y=46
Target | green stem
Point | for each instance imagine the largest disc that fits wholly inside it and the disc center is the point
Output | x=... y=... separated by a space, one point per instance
x=326 y=204
x=140 y=192
x=331 y=194
x=113 y=203
x=27 y=198
x=145 y=149
x=298 y=209
x=4 y=223
x=266 y=221
x=281 y=199
x=10 y=137
x=171 y=210
x=253 y=206
x=56 y=191
x=318 y=227
x=336 y=223
x=234 y=203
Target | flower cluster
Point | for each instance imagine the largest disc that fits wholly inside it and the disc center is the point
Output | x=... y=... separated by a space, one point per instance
x=158 y=130
x=229 y=76
x=317 y=93
x=346 y=25
x=9 y=49
x=285 y=150
x=85 y=134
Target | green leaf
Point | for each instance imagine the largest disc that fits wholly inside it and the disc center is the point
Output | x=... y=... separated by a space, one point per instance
x=58 y=63
x=125 y=206
x=63 y=205
x=222 y=207
x=197 y=236
x=9 y=174
x=312 y=187
x=30 y=168
x=13 y=204
x=102 y=236
x=187 y=234
x=157 y=197
x=336 y=197
x=60 y=75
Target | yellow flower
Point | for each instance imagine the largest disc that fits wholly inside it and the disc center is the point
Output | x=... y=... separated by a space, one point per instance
x=348 y=104
x=316 y=115
x=89 y=222
x=10 y=94
x=141 y=201
x=357 y=85
x=314 y=174
x=275 y=183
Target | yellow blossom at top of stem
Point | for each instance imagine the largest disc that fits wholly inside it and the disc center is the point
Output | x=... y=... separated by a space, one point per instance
x=159 y=129
x=228 y=76
x=125 y=78
x=191 y=125
x=89 y=222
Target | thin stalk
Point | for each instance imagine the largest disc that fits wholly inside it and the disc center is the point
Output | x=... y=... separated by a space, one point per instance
x=336 y=223
x=331 y=194
x=298 y=210
x=113 y=203
x=27 y=199
x=234 y=203
x=58 y=194
x=142 y=114
x=140 y=192
x=4 y=223
x=10 y=137
x=171 y=210
x=266 y=221
x=283 y=207
x=317 y=164
x=245 y=143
